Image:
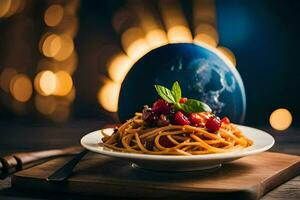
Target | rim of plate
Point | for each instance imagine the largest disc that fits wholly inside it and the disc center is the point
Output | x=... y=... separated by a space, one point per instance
x=262 y=141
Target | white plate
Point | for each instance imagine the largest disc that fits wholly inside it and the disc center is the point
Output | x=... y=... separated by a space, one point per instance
x=262 y=141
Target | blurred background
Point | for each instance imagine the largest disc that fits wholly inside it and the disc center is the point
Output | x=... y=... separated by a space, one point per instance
x=63 y=61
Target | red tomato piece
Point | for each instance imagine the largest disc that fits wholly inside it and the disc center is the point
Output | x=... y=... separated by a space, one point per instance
x=195 y=118
x=161 y=107
x=181 y=119
x=213 y=124
x=183 y=100
x=225 y=120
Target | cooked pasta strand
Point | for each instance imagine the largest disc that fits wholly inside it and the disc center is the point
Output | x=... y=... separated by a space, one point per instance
x=134 y=136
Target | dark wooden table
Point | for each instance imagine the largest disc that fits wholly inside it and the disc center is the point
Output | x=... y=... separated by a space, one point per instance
x=17 y=137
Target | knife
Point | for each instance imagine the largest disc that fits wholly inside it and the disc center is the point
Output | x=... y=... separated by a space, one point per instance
x=19 y=161
x=64 y=172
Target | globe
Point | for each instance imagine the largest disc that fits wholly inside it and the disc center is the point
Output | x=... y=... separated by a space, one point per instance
x=201 y=71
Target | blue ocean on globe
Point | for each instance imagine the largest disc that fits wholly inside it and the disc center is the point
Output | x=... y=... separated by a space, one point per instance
x=201 y=73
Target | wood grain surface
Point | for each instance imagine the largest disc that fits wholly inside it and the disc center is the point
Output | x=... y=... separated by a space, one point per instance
x=247 y=178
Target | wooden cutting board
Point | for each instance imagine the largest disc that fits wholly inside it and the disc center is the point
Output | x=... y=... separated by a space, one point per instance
x=247 y=178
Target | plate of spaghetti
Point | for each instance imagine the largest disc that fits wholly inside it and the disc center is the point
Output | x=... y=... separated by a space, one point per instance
x=177 y=134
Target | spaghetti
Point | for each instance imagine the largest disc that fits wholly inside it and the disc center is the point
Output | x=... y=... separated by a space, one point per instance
x=176 y=126
x=135 y=136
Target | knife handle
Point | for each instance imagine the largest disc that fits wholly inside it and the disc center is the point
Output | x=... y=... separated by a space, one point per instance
x=9 y=164
x=18 y=161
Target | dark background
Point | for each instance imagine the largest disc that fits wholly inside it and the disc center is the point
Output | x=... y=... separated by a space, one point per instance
x=263 y=35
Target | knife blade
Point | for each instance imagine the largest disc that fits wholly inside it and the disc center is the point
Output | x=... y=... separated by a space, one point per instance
x=64 y=172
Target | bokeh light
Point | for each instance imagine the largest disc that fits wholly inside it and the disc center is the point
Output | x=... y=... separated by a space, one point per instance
x=150 y=23
x=45 y=83
x=179 y=34
x=11 y=7
x=204 y=22
x=21 y=88
x=64 y=83
x=69 y=65
x=70 y=97
x=4 y=7
x=229 y=54
x=51 y=45
x=53 y=15
x=53 y=82
x=281 y=119
x=108 y=96
x=72 y=6
x=134 y=43
x=204 y=11
x=69 y=26
x=60 y=47
x=118 y=67
x=177 y=27
x=206 y=33
x=5 y=78
x=66 y=49
x=156 y=38
x=224 y=57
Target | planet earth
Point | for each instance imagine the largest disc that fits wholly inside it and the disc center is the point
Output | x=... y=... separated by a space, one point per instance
x=202 y=73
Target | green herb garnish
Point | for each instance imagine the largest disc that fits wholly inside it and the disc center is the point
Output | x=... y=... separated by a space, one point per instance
x=173 y=96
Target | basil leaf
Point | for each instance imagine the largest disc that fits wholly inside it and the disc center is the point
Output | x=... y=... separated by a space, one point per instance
x=177 y=106
x=165 y=93
x=193 y=105
x=176 y=91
